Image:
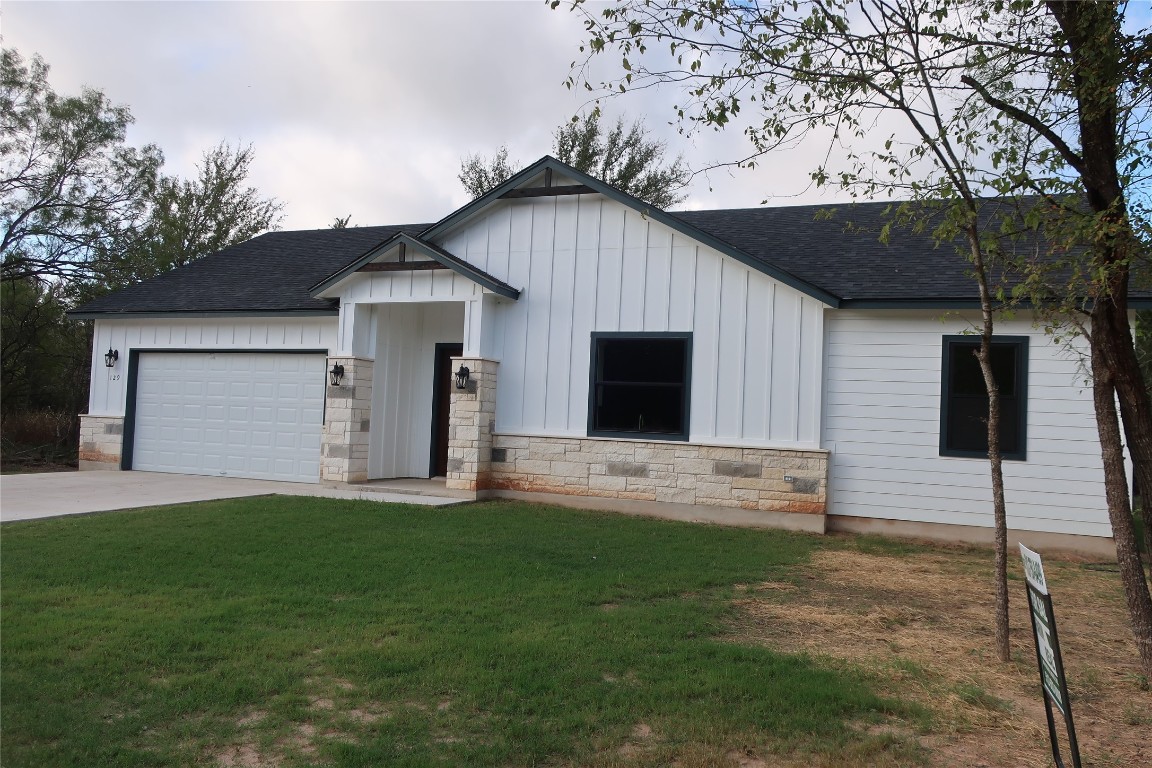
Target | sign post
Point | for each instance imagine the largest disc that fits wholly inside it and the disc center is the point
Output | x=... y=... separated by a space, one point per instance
x=1051 y=664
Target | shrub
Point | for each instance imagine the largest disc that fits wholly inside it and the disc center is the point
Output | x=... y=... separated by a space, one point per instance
x=39 y=437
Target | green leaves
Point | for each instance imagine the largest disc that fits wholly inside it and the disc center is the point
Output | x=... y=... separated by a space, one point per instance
x=71 y=190
x=83 y=212
x=623 y=155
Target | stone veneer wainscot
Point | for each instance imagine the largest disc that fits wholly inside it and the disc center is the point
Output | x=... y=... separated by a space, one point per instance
x=101 y=441
x=682 y=473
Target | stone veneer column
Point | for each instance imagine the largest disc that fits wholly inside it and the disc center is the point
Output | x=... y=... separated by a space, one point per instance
x=470 y=422
x=347 y=414
x=101 y=441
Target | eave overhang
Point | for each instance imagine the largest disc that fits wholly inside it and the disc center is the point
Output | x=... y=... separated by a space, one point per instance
x=1134 y=303
x=207 y=313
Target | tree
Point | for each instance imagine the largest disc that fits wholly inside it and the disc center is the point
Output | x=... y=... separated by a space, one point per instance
x=191 y=218
x=71 y=190
x=625 y=157
x=1019 y=96
x=84 y=213
x=479 y=174
x=43 y=354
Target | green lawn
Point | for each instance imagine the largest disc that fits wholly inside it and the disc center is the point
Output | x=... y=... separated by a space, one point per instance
x=300 y=631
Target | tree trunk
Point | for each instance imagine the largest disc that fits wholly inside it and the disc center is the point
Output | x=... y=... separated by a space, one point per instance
x=1000 y=516
x=1092 y=35
x=995 y=462
x=1116 y=490
x=1135 y=405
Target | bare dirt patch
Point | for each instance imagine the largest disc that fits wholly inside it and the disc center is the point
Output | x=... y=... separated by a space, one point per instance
x=251 y=718
x=245 y=756
x=924 y=622
x=334 y=714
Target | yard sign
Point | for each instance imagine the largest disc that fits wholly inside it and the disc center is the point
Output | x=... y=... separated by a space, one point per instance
x=1052 y=679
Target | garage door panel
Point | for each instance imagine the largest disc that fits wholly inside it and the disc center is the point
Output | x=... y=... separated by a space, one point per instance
x=256 y=415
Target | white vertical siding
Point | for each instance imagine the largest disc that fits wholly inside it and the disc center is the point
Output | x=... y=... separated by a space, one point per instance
x=586 y=263
x=402 y=385
x=882 y=424
x=109 y=385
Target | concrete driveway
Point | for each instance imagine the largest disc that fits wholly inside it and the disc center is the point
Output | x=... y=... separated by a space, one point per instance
x=52 y=494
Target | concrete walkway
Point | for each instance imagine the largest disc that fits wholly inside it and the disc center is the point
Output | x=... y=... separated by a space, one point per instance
x=53 y=494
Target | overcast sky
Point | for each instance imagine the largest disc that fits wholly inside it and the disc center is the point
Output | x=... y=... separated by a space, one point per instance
x=361 y=108
x=366 y=108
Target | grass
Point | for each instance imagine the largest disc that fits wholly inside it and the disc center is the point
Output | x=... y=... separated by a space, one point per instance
x=291 y=631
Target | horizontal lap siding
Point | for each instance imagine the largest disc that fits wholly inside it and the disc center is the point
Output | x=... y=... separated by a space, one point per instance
x=586 y=263
x=882 y=424
x=107 y=393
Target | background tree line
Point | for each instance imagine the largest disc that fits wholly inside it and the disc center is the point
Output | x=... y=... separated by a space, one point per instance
x=84 y=213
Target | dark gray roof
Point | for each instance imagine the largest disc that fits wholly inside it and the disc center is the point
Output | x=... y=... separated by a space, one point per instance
x=833 y=250
x=269 y=273
x=839 y=248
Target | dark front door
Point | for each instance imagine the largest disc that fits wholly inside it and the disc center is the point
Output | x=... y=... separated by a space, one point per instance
x=441 y=401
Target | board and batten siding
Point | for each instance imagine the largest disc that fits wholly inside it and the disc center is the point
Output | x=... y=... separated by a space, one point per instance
x=109 y=385
x=402 y=383
x=882 y=425
x=586 y=263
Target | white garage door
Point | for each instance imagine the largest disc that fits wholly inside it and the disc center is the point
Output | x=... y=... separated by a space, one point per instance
x=237 y=414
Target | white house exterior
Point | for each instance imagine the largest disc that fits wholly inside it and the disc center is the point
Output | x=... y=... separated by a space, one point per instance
x=774 y=398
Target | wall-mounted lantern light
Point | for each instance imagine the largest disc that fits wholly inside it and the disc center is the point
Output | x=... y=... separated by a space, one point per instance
x=110 y=358
x=337 y=373
x=462 y=377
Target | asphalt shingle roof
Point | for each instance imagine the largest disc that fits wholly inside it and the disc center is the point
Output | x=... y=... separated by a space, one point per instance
x=838 y=248
x=269 y=273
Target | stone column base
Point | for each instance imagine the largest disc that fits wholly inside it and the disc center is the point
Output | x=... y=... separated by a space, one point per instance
x=470 y=423
x=347 y=414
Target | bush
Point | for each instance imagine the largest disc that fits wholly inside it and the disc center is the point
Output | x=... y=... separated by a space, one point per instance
x=30 y=438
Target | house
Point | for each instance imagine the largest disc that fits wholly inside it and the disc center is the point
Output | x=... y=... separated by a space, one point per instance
x=557 y=339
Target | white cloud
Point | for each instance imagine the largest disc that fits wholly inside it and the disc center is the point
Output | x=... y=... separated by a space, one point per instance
x=361 y=108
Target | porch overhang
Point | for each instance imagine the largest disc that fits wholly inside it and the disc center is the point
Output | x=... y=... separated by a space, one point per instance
x=325 y=288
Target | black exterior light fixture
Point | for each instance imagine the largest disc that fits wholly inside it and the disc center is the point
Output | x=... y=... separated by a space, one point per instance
x=336 y=373
x=463 y=376
x=110 y=358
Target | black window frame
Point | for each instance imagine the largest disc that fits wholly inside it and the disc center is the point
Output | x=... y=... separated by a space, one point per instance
x=1020 y=343
x=593 y=366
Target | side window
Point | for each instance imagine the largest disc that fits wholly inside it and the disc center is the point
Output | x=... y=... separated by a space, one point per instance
x=640 y=385
x=964 y=399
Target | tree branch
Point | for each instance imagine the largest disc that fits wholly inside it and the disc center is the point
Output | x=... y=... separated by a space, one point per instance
x=1020 y=116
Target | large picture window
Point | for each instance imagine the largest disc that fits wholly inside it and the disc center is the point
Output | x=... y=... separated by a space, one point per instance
x=964 y=398
x=640 y=385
